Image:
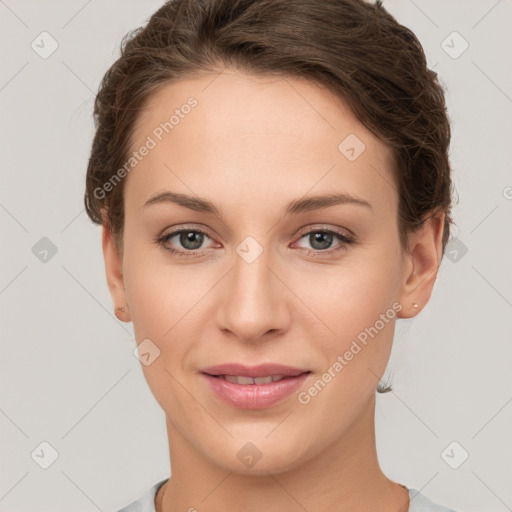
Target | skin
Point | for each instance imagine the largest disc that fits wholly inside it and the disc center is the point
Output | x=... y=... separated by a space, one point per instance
x=251 y=146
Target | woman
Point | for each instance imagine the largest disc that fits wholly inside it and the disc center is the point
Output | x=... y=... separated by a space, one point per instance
x=273 y=182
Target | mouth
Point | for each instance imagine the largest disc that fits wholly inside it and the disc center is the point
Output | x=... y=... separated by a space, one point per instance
x=263 y=370
x=257 y=381
x=254 y=388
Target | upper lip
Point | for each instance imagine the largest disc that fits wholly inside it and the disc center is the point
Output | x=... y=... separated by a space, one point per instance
x=261 y=370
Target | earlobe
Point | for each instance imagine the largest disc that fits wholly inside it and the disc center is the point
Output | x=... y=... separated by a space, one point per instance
x=114 y=274
x=423 y=260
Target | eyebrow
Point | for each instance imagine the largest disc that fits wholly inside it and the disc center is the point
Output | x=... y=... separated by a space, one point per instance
x=297 y=206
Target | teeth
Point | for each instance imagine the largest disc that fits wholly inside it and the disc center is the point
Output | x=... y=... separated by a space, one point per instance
x=236 y=379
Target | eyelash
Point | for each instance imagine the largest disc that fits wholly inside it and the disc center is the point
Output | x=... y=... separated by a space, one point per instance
x=346 y=239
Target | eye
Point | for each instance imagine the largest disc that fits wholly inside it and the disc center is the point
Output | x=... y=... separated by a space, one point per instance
x=322 y=239
x=190 y=241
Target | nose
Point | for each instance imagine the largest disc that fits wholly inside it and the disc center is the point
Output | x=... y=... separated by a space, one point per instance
x=253 y=302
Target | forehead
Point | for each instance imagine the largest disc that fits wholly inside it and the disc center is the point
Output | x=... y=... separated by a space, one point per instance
x=256 y=137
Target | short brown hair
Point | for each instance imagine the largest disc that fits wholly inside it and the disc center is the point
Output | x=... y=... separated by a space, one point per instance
x=355 y=49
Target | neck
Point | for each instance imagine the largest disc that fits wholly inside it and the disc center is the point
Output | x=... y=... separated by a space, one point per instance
x=345 y=476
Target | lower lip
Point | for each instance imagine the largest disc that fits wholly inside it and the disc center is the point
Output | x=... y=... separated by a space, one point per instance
x=255 y=396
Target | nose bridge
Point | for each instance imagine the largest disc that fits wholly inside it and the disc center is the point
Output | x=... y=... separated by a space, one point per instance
x=251 y=266
x=252 y=304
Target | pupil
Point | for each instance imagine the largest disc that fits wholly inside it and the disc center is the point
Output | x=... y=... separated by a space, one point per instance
x=318 y=237
x=187 y=240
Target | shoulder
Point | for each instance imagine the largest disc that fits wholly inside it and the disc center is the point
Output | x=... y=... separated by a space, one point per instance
x=145 y=503
x=420 y=503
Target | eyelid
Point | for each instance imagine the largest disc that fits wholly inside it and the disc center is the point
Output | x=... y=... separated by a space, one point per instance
x=324 y=227
x=304 y=231
x=174 y=230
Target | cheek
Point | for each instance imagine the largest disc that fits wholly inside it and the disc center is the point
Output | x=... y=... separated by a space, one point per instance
x=167 y=307
x=357 y=308
x=160 y=301
x=159 y=293
x=358 y=311
x=348 y=298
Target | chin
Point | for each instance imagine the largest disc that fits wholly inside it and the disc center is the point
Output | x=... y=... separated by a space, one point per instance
x=257 y=458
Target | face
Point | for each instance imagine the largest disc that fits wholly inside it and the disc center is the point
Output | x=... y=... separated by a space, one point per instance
x=266 y=273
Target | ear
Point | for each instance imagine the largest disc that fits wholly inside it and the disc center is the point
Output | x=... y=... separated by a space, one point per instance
x=421 y=265
x=114 y=273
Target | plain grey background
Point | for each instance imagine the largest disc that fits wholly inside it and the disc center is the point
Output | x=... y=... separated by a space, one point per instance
x=68 y=374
